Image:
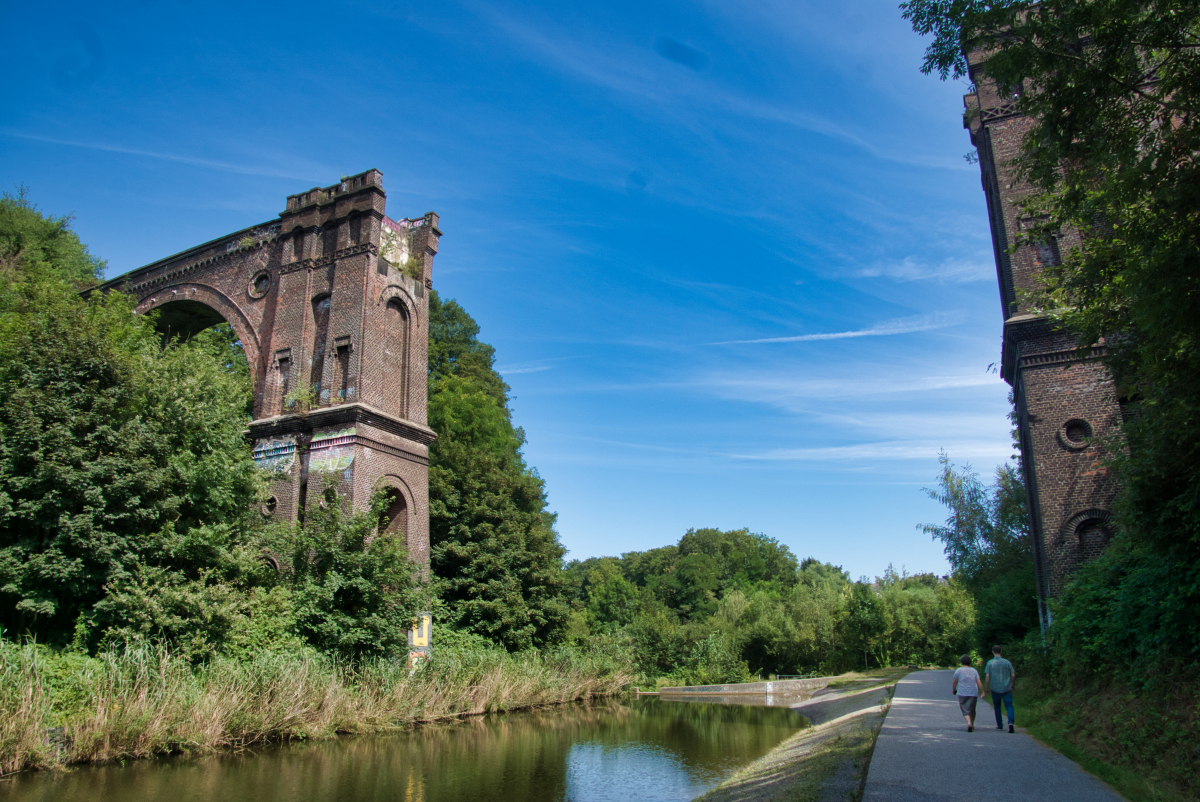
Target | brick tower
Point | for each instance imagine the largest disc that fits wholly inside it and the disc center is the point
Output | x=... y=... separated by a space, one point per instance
x=330 y=303
x=1066 y=402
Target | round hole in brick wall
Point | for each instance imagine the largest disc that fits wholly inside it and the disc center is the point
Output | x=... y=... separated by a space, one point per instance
x=259 y=284
x=269 y=506
x=329 y=498
x=1075 y=433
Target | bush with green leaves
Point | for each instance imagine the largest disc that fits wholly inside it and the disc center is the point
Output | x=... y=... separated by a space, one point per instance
x=117 y=455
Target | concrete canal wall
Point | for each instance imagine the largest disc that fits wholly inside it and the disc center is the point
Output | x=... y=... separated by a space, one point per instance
x=782 y=686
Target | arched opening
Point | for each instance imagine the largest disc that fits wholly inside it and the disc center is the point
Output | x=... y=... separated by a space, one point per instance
x=329 y=240
x=184 y=319
x=204 y=328
x=1090 y=532
x=297 y=240
x=395 y=349
x=394 y=521
x=321 y=306
x=1093 y=539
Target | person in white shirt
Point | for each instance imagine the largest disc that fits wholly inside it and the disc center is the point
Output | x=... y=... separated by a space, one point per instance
x=968 y=687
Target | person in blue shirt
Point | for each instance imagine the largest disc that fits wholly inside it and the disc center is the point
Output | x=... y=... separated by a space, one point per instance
x=999 y=674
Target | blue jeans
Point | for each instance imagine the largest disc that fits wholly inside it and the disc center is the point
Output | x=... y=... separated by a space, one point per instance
x=1005 y=697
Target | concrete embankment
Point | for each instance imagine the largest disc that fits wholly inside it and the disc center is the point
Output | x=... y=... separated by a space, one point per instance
x=824 y=761
x=781 y=687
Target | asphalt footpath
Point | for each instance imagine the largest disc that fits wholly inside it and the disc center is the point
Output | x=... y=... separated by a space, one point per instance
x=924 y=752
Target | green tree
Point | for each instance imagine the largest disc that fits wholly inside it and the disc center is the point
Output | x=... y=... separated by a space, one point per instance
x=35 y=247
x=865 y=622
x=612 y=600
x=743 y=558
x=987 y=542
x=116 y=453
x=495 y=556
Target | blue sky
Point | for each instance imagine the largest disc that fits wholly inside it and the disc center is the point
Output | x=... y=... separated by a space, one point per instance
x=731 y=257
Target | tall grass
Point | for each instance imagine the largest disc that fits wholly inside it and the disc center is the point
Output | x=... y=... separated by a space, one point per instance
x=143 y=700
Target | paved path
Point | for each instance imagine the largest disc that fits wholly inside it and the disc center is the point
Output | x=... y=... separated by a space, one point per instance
x=924 y=752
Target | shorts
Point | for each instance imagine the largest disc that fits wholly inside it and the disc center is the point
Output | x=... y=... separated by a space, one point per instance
x=967 y=704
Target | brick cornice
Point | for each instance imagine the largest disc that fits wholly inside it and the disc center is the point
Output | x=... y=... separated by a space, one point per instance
x=341 y=415
x=322 y=261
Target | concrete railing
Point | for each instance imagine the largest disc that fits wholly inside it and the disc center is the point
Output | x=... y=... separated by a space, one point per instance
x=757 y=688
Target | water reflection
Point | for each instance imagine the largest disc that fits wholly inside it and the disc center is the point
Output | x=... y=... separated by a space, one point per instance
x=632 y=749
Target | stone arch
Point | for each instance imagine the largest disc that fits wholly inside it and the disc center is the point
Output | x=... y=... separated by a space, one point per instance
x=190 y=302
x=1087 y=532
x=329 y=238
x=322 y=310
x=395 y=519
x=295 y=236
x=398 y=319
x=394 y=292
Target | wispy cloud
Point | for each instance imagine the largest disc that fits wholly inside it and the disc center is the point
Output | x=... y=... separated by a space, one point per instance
x=902 y=325
x=949 y=270
x=888 y=450
x=632 y=72
x=239 y=169
x=773 y=388
x=533 y=365
x=509 y=371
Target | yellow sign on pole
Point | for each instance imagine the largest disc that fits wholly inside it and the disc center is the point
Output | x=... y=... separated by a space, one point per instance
x=419 y=637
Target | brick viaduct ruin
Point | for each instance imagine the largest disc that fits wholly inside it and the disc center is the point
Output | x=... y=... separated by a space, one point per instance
x=1066 y=402
x=330 y=302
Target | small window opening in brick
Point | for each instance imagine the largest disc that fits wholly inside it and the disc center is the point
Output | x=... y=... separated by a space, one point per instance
x=269 y=506
x=285 y=376
x=329 y=497
x=298 y=246
x=329 y=241
x=343 y=369
x=262 y=283
x=1046 y=253
x=321 y=306
x=1077 y=431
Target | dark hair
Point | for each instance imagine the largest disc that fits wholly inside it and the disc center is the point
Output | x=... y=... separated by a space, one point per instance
x=965 y=659
x=995 y=650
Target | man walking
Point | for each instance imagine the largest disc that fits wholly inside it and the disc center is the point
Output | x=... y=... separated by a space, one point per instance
x=999 y=675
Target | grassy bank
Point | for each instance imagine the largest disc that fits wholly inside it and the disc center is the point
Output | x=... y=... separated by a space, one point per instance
x=141 y=701
x=1146 y=744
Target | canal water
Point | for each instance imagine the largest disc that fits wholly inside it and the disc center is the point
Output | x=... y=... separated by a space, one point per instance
x=623 y=750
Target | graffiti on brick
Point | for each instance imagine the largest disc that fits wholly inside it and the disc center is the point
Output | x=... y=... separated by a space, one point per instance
x=332 y=450
x=276 y=456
